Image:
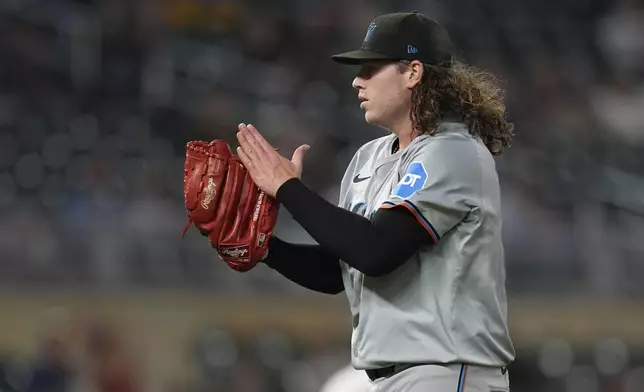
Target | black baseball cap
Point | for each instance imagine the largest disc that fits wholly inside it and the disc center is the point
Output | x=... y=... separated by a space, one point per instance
x=402 y=36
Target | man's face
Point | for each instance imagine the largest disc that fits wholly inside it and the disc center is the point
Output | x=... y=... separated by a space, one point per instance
x=383 y=92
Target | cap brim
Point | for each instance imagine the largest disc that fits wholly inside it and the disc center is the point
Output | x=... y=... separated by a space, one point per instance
x=358 y=57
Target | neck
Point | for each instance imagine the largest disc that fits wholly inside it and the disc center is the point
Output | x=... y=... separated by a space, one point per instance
x=405 y=132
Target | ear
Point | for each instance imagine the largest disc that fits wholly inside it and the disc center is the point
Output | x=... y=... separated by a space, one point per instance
x=414 y=73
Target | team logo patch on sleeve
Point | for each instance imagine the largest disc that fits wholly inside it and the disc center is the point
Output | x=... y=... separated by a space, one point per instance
x=413 y=180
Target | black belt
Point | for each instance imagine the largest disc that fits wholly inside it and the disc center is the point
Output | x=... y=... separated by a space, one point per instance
x=389 y=371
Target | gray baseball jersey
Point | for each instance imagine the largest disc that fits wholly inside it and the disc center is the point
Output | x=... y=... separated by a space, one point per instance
x=447 y=304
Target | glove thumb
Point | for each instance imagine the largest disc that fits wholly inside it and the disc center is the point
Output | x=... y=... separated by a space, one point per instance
x=298 y=157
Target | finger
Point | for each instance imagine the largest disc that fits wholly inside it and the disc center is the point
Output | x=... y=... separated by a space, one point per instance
x=248 y=135
x=247 y=143
x=298 y=155
x=259 y=139
x=247 y=147
x=248 y=163
x=252 y=146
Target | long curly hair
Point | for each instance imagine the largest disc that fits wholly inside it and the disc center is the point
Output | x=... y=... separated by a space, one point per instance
x=464 y=91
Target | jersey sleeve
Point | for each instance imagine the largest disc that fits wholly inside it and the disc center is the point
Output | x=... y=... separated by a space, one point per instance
x=439 y=184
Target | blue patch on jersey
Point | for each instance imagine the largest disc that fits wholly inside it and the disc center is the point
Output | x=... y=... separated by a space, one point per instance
x=413 y=180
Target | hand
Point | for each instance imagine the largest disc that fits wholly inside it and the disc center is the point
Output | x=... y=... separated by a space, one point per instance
x=268 y=169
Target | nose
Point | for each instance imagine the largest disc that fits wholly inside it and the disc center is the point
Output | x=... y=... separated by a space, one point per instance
x=358 y=83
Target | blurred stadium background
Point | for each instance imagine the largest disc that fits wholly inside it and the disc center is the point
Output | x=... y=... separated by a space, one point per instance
x=99 y=97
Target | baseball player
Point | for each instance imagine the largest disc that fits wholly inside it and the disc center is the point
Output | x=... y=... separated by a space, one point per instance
x=415 y=241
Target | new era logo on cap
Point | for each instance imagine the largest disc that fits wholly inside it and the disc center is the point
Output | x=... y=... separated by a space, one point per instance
x=411 y=49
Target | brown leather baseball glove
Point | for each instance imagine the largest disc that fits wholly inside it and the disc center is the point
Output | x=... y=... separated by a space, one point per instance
x=225 y=205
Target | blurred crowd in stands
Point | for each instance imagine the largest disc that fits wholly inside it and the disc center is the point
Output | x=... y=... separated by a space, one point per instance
x=98 y=99
x=96 y=355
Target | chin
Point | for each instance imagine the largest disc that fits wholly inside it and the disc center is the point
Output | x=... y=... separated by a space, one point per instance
x=374 y=120
x=371 y=118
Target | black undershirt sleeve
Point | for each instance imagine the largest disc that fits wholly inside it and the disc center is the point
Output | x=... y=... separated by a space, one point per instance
x=374 y=247
x=309 y=266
